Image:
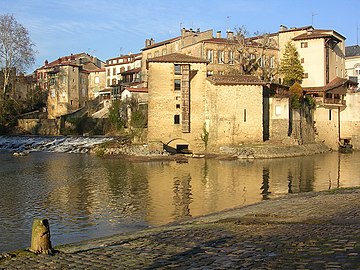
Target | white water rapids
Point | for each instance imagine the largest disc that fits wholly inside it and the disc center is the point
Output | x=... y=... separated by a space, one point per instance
x=63 y=144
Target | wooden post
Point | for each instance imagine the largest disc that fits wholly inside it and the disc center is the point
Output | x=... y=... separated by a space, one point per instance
x=40 y=238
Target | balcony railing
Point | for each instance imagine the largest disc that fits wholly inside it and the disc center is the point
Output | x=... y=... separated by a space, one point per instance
x=334 y=101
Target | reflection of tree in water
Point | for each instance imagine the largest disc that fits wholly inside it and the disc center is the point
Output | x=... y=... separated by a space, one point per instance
x=265 y=184
x=306 y=176
x=182 y=197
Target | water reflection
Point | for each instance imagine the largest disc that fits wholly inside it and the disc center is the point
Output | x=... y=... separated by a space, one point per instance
x=265 y=184
x=84 y=196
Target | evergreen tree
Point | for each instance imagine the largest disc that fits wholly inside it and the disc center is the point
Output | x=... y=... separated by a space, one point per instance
x=290 y=66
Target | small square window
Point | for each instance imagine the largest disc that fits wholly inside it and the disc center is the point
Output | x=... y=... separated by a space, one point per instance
x=302 y=60
x=177 y=85
x=176 y=119
x=177 y=106
x=177 y=69
x=306 y=75
x=304 y=44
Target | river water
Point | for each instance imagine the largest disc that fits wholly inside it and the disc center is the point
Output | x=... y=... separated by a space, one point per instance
x=85 y=196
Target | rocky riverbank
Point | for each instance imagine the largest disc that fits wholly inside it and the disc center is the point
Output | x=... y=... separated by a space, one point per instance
x=266 y=150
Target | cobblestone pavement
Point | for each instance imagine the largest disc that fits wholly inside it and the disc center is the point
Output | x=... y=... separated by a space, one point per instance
x=304 y=231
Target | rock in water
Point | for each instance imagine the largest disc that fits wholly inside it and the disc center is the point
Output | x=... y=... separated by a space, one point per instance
x=40 y=238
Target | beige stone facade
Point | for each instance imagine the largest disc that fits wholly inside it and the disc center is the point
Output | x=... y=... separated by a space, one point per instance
x=66 y=80
x=234 y=112
x=116 y=66
x=97 y=82
x=174 y=45
x=185 y=106
x=279 y=108
x=176 y=102
x=222 y=53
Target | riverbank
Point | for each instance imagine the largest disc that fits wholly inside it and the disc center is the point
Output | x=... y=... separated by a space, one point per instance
x=316 y=230
x=265 y=150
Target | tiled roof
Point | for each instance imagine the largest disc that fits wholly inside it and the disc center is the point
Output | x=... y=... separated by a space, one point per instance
x=318 y=34
x=161 y=43
x=337 y=82
x=130 y=71
x=235 y=79
x=351 y=51
x=336 y=86
x=91 y=67
x=137 y=90
x=292 y=29
x=63 y=60
x=125 y=56
x=177 y=58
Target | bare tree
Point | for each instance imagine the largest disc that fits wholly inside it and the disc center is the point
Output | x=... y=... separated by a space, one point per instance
x=16 y=49
x=254 y=55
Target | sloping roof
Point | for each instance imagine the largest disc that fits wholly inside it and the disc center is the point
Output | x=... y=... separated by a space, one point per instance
x=177 y=58
x=134 y=55
x=161 y=43
x=336 y=86
x=316 y=33
x=351 y=51
x=137 y=90
x=291 y=29
x=235 y=80
x=131 y=71
x=64 y=60
x=91 y=67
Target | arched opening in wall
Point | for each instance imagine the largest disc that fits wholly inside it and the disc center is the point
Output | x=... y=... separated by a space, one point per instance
x=177 y=146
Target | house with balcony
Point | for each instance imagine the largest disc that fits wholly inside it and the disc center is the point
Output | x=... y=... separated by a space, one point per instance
x=124 y=68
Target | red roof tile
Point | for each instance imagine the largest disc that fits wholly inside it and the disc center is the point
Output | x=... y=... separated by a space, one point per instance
x=316 y=33
x=161 y=43
x=137 y=90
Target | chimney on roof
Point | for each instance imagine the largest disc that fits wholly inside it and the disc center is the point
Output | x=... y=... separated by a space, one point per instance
x=230 y=35
x=149 y=42
x=218 y=34
x=46 y=62
x=183 y=31
x=283 y=28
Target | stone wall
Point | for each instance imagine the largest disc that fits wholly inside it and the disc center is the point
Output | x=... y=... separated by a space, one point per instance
x=350 y=119
x=302 y=126
x=165 y=104
x=235 y=114
x=278 y=118
x=326 y=126
x=40 y=126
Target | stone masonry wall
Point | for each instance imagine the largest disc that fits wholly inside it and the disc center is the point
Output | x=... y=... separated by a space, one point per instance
x=164 y=103
x=235 y=113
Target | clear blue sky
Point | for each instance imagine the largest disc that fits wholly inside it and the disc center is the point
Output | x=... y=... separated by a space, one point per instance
x=107 y=28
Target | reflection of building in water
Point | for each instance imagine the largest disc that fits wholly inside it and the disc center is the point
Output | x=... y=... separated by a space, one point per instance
x=200 y=187
x=182 y=197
